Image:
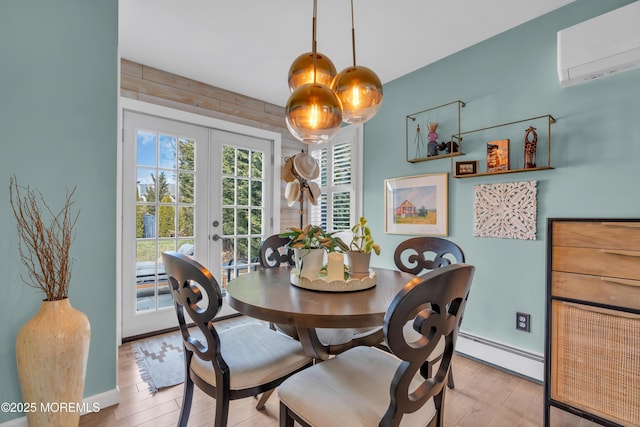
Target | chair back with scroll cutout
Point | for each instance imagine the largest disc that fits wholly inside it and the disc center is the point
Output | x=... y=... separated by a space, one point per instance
x=274 y=252
x=441 y=297
x=271 y=252
x=423 y=254
x=420 y=254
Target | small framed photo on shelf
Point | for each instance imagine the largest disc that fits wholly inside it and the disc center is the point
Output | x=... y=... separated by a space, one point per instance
x=467 y=167
x=417 y=205
x=498 y=155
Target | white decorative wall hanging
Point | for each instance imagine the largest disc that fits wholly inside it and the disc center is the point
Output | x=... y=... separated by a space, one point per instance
x=506 y=211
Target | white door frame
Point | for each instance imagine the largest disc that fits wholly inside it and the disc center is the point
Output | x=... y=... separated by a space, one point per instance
x=187 y=117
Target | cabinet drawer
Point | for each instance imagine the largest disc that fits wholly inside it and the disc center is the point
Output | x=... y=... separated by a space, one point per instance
x=604 y=290
x=600 y=262
x=593 y=234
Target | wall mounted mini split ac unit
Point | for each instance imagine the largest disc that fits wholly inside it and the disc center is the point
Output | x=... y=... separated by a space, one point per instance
x=601 y=46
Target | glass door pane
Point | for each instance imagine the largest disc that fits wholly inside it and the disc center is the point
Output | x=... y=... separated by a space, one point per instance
x=162 y=197
x=206 y=193
x=243 y=201
x=165 y=204
x=242 y=210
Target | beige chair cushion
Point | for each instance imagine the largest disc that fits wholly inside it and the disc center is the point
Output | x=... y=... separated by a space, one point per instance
x=342 y=336
x=334 y=336
x=410 y=335
x=352 y=389
x=255 y=355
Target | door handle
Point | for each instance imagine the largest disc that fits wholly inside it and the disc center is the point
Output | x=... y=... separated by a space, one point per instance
x=215 y=237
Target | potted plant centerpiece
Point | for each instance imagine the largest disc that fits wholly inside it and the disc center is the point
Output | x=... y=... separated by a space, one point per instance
x=362 y=243
x=53 y=346
x=309 y=245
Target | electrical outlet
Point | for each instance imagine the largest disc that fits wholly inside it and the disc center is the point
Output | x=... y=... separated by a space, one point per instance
x=523 y=322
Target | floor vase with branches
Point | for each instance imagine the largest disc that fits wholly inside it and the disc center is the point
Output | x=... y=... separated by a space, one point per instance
x=52 y=348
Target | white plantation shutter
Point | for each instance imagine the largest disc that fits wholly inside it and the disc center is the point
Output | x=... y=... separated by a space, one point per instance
x=342 y=218
x=338 y=159
x=318 y=213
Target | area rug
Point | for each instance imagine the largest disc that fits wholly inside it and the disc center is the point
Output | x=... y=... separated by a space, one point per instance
x=160 y=358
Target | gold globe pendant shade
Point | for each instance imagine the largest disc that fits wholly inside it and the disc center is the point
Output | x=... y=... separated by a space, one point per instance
x=313 y=113
x=302 y=70
x=360 y=92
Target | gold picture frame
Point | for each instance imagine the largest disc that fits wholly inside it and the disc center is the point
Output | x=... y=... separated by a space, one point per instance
x=417 y=205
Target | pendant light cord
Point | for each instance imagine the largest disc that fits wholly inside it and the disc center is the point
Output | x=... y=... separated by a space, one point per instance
x=313 y=39
x=353 y=36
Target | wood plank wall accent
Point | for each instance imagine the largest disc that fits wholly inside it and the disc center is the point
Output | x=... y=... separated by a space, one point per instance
x=144 y=83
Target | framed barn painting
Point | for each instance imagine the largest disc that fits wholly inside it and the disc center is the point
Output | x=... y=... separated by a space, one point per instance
x=417 y=205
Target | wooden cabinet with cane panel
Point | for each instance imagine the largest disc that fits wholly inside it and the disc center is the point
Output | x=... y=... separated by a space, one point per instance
x=592 y=349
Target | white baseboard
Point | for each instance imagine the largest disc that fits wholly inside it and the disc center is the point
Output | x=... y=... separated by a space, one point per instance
x=92 y=404
x=103 y=400
x=16 y=422
x=521 y=362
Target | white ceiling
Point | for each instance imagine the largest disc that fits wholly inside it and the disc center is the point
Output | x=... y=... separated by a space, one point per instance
x=247 y=46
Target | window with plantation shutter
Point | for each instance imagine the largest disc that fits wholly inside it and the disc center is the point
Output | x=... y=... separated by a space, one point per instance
x=340 y=180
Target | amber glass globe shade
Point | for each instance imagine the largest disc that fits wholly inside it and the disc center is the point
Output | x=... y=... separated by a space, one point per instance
x=360 y=93
x=313 y=113
x=301 y=70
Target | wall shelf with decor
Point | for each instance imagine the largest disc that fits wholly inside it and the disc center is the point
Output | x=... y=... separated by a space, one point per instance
x=504 y=154
x=424 y=128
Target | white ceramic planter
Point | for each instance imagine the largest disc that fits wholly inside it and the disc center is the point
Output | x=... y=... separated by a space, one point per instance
x=359 y=263
x=309 y=261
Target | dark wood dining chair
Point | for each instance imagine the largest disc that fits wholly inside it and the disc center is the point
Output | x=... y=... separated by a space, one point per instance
x=365 y=386
x=422 y=254
x=274 y=253
x=229 y=364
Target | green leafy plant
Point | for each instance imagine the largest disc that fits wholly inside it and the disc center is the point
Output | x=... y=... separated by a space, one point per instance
x=314 y=237
x=362 y=240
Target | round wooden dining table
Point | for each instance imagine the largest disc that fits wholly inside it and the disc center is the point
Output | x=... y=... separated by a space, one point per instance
x=269 y=295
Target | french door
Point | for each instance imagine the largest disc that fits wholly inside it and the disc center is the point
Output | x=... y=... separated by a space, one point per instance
x=201 y=191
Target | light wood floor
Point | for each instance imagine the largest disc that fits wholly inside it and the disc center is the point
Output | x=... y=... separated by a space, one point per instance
x=484 y=396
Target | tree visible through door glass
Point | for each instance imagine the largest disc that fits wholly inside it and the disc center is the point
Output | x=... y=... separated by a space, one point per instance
x=242 y=210
x=165 y=205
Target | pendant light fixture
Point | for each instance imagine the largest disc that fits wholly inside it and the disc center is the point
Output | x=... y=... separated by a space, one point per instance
x=302 y=70
x=313 y=112
x=358 y=87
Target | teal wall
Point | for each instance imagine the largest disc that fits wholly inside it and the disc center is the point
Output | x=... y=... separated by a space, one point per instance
x=58 y=97
x=58 y=129
x=595 y=152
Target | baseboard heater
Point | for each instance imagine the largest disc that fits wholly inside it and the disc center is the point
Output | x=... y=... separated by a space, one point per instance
x=515 y=360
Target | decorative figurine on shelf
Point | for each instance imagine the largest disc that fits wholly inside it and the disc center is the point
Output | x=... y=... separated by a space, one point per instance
x=447 y=147
x=418 y=141
x=432 y=146
x=530 y=148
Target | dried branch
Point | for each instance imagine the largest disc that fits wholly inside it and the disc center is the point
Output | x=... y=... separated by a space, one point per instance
x=44 y=248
